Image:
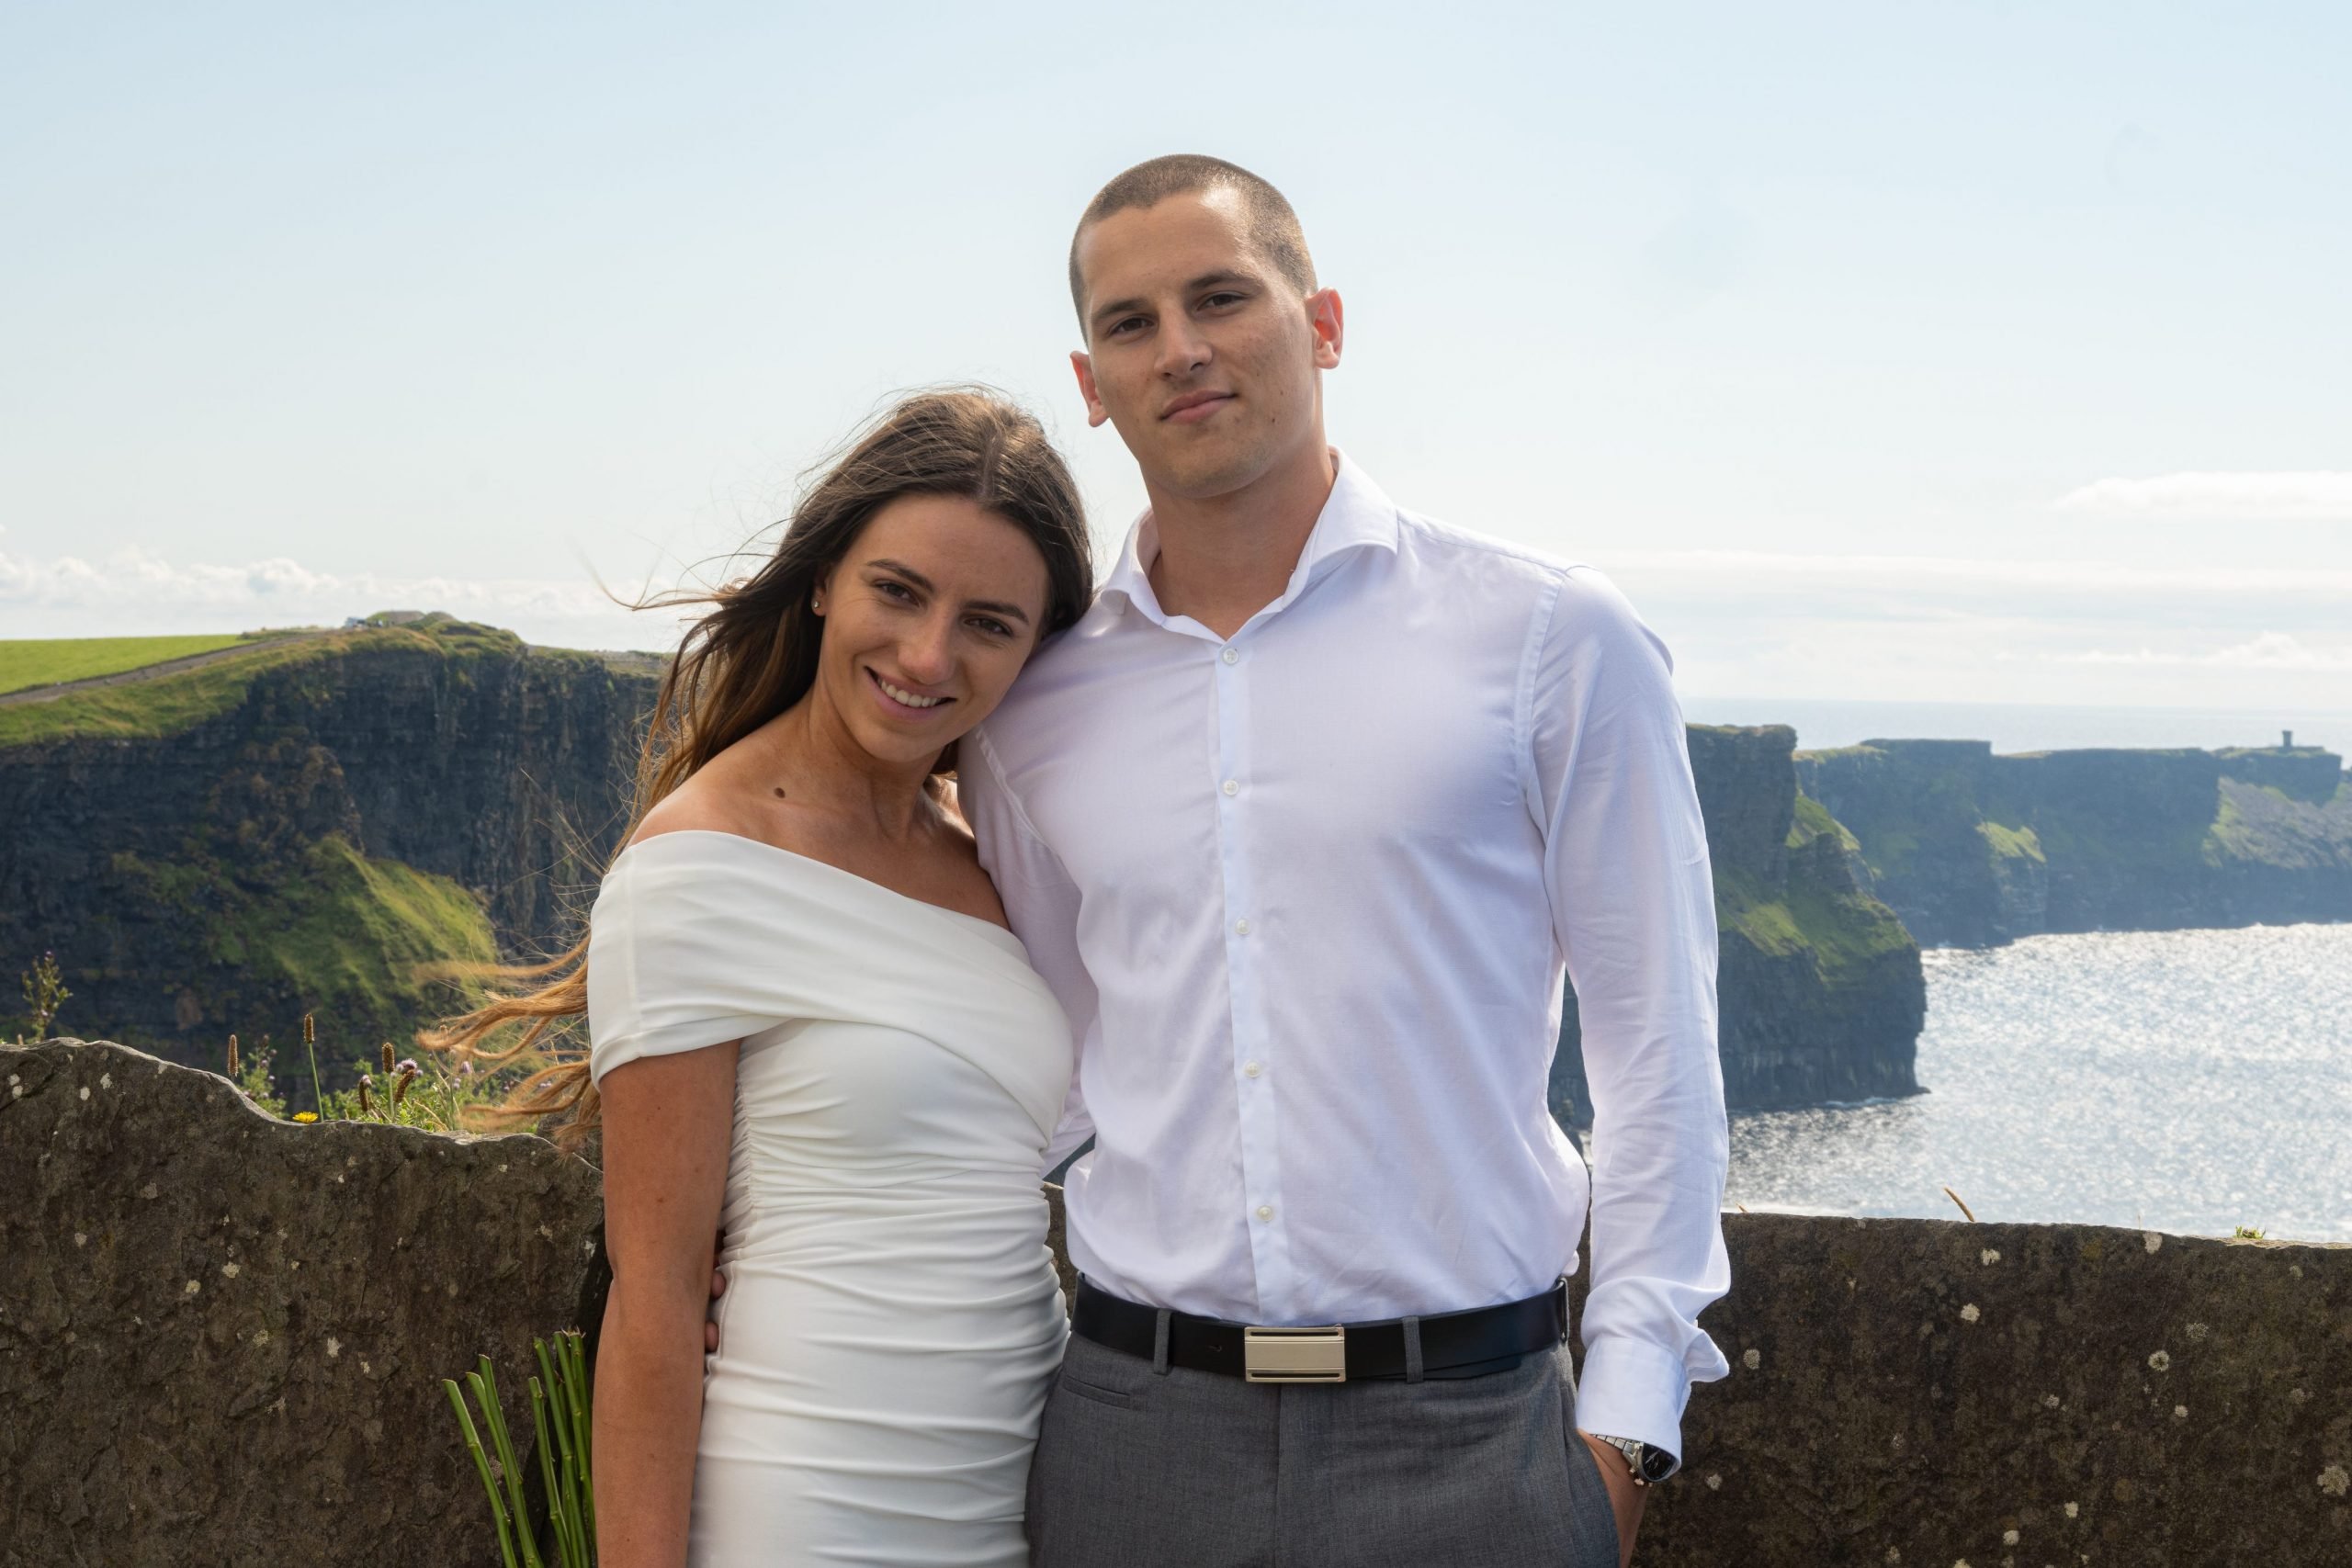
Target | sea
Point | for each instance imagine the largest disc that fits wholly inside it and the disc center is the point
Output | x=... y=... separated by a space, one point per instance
x=2187 y=1081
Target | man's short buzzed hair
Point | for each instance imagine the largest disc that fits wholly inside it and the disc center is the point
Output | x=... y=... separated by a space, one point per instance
x=1273 y=227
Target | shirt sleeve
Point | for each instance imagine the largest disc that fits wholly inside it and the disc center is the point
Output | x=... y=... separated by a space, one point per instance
x=1634 y=912
x=659 y=980
x=1042 y=903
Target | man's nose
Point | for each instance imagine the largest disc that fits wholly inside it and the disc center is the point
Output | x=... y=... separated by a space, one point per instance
x=1182 y=349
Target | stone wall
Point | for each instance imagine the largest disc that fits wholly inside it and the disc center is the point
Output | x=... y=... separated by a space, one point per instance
x=1933 y=1392
x=221 y=1336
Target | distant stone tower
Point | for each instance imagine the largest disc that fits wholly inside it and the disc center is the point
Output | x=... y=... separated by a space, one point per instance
x=2286 y=741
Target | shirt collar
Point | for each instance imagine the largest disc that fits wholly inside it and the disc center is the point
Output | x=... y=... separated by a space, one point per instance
x=1356 y=515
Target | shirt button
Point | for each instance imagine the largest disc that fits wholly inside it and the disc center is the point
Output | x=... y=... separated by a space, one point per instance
x=1252 y=1069
x=1233 y=786
x=1241 y=928
x=1265 y=1211
x=1231 y=656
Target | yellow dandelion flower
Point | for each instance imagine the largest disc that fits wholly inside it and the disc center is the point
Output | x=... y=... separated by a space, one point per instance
x=306 y=1116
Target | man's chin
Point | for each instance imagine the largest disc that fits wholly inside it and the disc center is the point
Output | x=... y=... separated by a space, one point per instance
x=1201 y=476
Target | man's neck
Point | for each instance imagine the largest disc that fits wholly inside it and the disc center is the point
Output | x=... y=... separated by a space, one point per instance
x=1223 y=559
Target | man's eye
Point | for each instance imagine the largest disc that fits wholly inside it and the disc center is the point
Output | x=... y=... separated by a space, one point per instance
x=1216 y=300
x=1124 y=324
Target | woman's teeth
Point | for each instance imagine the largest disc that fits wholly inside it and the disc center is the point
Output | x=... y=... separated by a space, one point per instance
x=899 y=695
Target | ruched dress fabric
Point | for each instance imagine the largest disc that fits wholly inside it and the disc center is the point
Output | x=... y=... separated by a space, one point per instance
x=892 y=1317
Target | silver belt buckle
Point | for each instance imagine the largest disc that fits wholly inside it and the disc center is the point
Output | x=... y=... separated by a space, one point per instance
x=1295 y=1354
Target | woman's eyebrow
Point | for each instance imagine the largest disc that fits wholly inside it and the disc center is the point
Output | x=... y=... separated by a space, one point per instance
x=992 y=606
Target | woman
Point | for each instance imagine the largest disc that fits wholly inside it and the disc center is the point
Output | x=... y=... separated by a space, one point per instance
x=808 y=1025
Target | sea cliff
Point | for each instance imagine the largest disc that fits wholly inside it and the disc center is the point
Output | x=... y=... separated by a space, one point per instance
x=1973 y=850
x=296 y=828
x=1819 y=993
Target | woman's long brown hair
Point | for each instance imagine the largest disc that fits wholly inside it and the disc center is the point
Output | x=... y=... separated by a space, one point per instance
x=754 y=654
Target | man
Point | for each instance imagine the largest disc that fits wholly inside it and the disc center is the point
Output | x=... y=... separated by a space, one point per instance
x=1301 y=823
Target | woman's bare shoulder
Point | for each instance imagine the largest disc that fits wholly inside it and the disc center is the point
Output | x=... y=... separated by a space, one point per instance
x=712 y=800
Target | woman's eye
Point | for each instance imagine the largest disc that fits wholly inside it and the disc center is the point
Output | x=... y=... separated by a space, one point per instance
x=993 y=627
x=895 y=590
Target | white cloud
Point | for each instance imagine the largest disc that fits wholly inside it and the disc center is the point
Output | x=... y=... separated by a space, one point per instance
x=2271 y=651
x=1902 y=588
x=135 y=589
x=2312 y=494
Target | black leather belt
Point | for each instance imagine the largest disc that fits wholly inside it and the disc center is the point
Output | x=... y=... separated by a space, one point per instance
x=1453 y=1345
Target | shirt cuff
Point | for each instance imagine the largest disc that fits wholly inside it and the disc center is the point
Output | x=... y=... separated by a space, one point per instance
x=1632 y=1389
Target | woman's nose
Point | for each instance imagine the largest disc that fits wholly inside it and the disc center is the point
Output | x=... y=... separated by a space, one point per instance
x=929 y=654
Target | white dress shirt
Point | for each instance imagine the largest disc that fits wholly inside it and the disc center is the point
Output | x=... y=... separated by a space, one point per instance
x=1306 y=894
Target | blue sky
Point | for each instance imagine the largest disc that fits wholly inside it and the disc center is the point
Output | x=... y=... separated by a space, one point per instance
x=1933 y=352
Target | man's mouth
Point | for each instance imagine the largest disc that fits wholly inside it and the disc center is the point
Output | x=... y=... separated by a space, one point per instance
x=900 y=696
x=1193 y=407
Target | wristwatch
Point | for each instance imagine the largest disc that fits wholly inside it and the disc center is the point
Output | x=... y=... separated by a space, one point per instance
x=1649 y=1464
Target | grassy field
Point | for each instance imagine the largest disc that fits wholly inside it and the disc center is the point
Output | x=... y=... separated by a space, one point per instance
x=171 y=702
x=166 y=705
x=48 y=661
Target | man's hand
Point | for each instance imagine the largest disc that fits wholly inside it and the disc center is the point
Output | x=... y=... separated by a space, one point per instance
x=1625 y=1499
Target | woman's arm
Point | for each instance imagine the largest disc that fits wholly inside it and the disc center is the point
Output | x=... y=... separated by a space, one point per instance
x=668 y=1125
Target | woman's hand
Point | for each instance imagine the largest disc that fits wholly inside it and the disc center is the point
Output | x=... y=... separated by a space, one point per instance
x=1625 y=1499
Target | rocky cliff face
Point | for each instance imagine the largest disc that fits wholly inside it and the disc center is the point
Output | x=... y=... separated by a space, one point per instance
x=1973 y=850
x=305 y=838
x=1819 y=986
x=302 y=838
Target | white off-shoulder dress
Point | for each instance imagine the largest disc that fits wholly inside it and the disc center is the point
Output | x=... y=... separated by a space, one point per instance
x=891 y=1317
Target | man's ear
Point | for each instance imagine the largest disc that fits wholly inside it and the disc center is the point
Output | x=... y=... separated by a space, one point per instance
x=1083 y=364
x=1329 y=320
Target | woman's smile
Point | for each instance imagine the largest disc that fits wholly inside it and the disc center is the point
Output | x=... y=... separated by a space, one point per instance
x=899 y=699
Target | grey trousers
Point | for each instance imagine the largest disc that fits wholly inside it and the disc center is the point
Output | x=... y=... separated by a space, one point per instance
x=1182 y=1469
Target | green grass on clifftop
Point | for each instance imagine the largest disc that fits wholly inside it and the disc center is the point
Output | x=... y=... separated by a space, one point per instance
x=1847 y=933
x=51 y=662
x=1812 y=820
x=170 y=704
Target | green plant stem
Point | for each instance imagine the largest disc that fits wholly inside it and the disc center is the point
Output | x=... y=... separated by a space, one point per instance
x=573 y=1348
x=564 y=1482
x=561 y=1526
x=485 y=1387
x=481 y=1464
